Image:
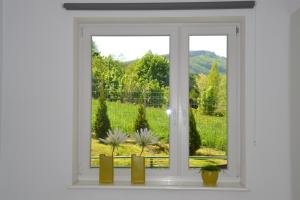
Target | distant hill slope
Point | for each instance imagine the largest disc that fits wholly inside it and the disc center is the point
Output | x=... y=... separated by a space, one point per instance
x=200 y=62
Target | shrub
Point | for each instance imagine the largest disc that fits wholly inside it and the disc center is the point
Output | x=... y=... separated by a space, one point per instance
x=153 y=94
x=102 y=123
x=208 y=101
x=141 y=121
x=194 y=136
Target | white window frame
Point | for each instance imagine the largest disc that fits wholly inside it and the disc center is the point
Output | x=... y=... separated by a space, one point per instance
x=85 y=91
x=178 y=172
x=233 y=87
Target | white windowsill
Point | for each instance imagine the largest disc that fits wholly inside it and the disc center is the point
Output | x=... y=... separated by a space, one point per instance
x=226 y=186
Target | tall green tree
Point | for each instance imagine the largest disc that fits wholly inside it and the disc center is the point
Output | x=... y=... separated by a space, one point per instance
x=113 y=78
x=194 y=136
x=110 y=72
x=209 y=96
x=102 y=123
x=222 y=100
x=213 y=78
x=153 y=67
x=98 y=73
x=208 y=101
x=141 y=121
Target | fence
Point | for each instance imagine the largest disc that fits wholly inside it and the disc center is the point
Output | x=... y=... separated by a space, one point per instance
x=152 y=161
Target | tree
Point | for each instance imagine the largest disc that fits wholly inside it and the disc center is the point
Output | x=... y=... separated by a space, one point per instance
x=222 y=100
x=193 y=91
x=153 y=94
x=194 y=136
x=213 y=78
x=209 y=96
x=208 y=101
x=98 y=72
x=141 y=121
x=110 y=72
x=94 y=49
x=113 y=79
x=153 y=67
x=102 y=123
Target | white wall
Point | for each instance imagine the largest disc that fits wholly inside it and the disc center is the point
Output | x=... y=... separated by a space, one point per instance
x=293 y=5
x=1 y=60
x=37 y=109
x=294 y=101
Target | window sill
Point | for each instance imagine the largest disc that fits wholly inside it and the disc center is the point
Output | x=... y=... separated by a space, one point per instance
x=226 y=186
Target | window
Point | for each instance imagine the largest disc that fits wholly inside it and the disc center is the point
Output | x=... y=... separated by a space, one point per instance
x=134 y=73
x=199 y=88
x=208 y=100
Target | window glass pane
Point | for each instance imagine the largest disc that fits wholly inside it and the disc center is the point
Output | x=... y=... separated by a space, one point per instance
x=130 y=77
x=208 y=100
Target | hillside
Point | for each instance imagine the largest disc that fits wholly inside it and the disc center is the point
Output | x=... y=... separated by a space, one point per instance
x=200 y=62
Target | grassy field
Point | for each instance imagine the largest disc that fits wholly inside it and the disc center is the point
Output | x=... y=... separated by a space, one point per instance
x=123 y=116
x=212 y=131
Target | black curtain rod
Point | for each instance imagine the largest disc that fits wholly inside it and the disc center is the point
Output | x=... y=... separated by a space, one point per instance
x=161 y=6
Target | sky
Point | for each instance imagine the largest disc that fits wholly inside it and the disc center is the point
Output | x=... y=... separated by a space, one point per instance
x=126 y=48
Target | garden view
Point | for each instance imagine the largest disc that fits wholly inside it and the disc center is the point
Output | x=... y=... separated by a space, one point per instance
x=130 y=91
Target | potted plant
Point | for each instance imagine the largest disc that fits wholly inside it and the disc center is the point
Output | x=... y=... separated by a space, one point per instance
x=106 y=163
x=210 y=174
x=143 y=138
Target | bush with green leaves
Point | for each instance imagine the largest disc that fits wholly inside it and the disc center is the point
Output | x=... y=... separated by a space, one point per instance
x=208 y=101
x=141 y=121
x=102 y=123
x=209 y=96
x=153 y=67
x=194 y=136
x=153 y=94
x=109 y=72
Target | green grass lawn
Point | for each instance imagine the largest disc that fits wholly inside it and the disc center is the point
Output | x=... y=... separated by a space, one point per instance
x=123 y=116
x=212 y=131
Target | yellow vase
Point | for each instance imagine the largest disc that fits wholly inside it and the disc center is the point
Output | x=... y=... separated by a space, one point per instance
x=137 y=169
x=209 y=178
x=106 y=169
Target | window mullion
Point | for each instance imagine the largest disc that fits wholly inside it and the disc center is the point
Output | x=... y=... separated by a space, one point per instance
x=183 y=102
x=174 y=96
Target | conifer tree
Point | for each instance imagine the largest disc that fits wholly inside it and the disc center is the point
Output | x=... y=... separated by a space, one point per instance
x=194 y=136
x=102 y=123
x=141 y=121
